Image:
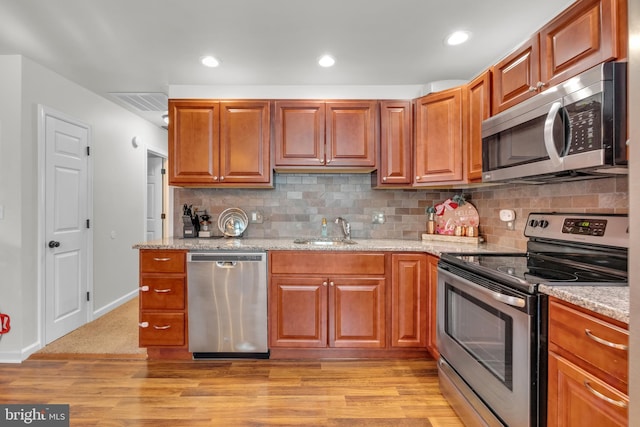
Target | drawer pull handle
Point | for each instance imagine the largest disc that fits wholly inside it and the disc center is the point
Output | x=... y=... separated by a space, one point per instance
x=162 y=291
x=162 y=259
x=144 y=324
x=144 y=288
x=618 y=403
x=605 y=342
x=161 y=328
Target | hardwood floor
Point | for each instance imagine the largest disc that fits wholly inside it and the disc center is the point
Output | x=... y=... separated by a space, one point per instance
x=104 y=393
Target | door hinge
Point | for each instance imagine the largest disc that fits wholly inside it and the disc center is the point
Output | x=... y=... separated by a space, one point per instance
x=88 y=296
x=163 y=216
x=88 y=223
x=88 y=150
x=163 y=171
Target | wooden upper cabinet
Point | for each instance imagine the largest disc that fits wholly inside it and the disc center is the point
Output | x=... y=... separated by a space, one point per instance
x=396 y=148
x=299 y=133
x=350 y=138
x=478 y=109
x=215 y=143
x=245 y=129
x=439 y=145
x=193 y=141
x=585 y=35
x=319 y=134
x=515 y=78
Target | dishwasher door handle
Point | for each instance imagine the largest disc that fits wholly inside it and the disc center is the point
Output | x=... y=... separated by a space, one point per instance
x=226 y=264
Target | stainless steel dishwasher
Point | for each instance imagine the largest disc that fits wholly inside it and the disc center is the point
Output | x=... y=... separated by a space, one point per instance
x=227 y=295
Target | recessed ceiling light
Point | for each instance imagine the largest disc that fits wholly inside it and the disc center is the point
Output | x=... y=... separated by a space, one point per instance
x=457 y=37
x=210 y=61
x=326 y=61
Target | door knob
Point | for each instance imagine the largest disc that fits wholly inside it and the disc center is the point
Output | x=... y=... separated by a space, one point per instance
x=53 y=244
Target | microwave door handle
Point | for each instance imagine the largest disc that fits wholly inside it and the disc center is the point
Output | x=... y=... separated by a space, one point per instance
x=549 y=142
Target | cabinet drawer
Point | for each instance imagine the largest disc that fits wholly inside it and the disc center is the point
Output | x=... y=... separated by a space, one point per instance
x=162 y=293
x=162 y=329
x=589 y=338
x=334 y=263
x=162 y=261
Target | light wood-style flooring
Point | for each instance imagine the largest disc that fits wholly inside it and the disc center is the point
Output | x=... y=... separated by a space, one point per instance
x=370 y=393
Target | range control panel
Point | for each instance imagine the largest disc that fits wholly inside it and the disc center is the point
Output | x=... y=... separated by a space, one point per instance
x=589 y=227
x=601 y=229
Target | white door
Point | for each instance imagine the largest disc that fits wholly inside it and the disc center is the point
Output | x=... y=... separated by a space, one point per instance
x=154 y=196
x=66 y=227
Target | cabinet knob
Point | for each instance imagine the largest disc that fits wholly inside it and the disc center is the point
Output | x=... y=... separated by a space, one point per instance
x=215 y=178
x=144 y=288
x=532 y=89
x=328 y=161
x=320 y=160
x=384 y=179
x=324 y=283
x=144 y=324
x=417 y=178
x=222 y=178
x=540 y=85
x=331 y=283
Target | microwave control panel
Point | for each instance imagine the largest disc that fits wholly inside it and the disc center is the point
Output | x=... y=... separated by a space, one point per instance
x=585 y=124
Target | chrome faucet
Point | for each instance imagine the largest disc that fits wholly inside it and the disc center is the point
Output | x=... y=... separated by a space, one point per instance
x=346 y=227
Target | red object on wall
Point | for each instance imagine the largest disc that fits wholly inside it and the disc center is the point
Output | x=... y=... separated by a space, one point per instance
x=5 y=323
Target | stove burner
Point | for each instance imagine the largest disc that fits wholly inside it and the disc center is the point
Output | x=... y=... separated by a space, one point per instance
x=552 y=275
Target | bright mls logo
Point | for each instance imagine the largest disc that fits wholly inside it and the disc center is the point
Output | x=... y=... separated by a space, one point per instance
x=34 y=415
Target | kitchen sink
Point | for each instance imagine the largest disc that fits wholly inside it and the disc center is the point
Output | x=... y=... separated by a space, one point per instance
x=324 y=242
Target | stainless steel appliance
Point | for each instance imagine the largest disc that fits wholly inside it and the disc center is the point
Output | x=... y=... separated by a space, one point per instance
x=227 y=295
x=491 y=326
x=575 y=130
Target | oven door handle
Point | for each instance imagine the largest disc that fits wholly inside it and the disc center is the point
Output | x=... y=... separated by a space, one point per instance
x=505 y=299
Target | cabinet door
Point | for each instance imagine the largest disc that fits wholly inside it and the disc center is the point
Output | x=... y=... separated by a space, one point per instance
x=395 y=143
x=245 y=142
x=582 y=37
x=356 y=312
x=298 y=311
x=350 y=138
x=299 y=133
x=432 y=344
x=478 y=109
x=577 y=398
x=409 y=299
x=193 y=141
x=516 y=77
x=439 y=137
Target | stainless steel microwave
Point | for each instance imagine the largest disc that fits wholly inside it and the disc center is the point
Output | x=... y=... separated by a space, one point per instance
x=575 y=130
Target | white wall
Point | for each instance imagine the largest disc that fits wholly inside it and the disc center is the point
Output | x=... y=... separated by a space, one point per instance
x=119 y=189
x=10 y=199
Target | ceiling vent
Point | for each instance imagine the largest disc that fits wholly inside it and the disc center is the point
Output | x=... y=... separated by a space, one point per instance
x=146 y=101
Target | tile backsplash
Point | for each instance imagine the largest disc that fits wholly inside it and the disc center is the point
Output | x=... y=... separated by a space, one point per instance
x=297 y=204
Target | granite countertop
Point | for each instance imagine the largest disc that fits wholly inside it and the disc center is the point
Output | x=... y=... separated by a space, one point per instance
x=611 y=301
x=284 y=244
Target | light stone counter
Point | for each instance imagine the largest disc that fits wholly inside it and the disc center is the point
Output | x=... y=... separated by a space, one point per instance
x=609 y=301
x=286 y=244
x=612 y=301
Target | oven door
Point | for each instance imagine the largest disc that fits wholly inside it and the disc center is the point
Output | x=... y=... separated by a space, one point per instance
x=487 y=335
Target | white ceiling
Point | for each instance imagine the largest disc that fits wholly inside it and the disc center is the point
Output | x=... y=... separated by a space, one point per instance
x=149 y=45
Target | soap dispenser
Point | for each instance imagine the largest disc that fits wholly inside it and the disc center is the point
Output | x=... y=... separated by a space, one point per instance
x=324 y=227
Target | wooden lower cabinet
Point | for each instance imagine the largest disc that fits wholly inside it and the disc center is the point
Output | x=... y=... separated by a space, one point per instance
x=163 y=303
x=409 y=300
x=588 y=368
x=333 y=304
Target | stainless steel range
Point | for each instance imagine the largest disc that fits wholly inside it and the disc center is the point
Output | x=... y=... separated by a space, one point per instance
x=492 y=321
